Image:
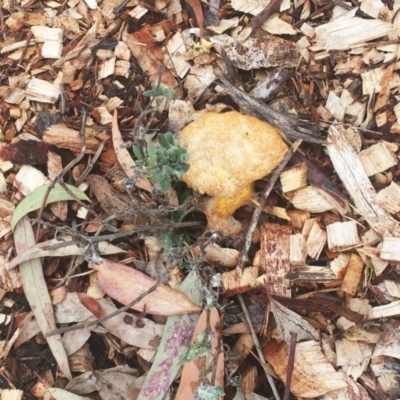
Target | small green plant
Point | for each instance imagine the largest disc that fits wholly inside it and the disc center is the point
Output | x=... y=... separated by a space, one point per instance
x=163 y=160
x=159 y=91
x=208 y=392
x=200 y=347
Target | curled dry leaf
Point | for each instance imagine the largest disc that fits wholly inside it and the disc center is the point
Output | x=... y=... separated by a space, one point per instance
x=125 y=159
x=124 y=284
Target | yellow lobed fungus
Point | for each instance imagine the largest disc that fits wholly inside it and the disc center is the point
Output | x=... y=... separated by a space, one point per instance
x=227 y=153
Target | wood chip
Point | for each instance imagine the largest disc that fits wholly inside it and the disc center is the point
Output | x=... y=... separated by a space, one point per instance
x=236 y=282
x=298 y=249
x=350 y=170
x=377 y=158
x=342 y=235
x=353 y=275
x=294 y=178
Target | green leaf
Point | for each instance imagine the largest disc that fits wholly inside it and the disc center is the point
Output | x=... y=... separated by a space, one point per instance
x=165 y=184
x=170 y=138
x=138 y=153
x=162 y=139
x=152 y=154
x=34 y=201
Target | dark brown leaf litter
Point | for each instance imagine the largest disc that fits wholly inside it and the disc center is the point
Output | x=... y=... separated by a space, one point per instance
x=324 y=253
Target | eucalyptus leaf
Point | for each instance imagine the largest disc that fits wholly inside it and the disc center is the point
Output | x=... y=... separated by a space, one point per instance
x=34 y=201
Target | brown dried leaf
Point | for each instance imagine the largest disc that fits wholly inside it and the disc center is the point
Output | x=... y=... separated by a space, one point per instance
x=124 y=284
x=112 y=201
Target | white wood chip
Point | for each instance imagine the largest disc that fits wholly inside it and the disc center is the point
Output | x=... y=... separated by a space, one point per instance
x=389 y=198
x=377 y=158
x=344 y=33
x=352 y=173
x=342 y=235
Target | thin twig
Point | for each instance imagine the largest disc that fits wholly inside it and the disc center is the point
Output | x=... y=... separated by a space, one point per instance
x=258 y=347
x=2 y=24
x=243 y=258
x=108 y=316
x=90 y=240
x=289 y=369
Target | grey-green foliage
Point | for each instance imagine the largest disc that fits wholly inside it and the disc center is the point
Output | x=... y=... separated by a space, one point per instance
x=163 y=160
x=208 y=392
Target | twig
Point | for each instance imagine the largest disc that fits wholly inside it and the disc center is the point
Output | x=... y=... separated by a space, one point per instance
x=64 y=171
x=108 y=316
x=86 y=240
x=258 y=347
x=243 y=258
x=289 y=370
x=2 y=24
x=272 y=7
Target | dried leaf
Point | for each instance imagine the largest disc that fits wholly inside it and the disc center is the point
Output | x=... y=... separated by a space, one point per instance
x=60 y=394
x=174 y=345
x=36 y=292
x=124 y=284
x=40 y=250
x=288 y=322
x=34 y=200
x=196 y=7
x=139 y=332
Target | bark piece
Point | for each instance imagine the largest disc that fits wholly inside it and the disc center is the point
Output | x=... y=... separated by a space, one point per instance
x=290 y=126
x=236 y=282
x=262 y=50
x=275 y=244
x=311 y=274
x=66 y=138
x=342 y=235
x=353 y=275
x=350 y=170
x=312 y=376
